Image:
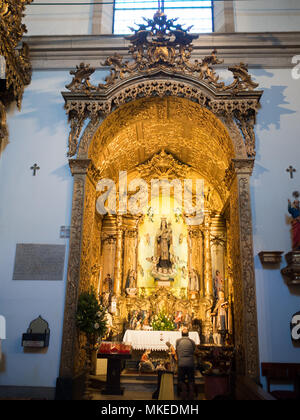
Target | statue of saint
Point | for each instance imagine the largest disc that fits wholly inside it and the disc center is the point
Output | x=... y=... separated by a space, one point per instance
x=164 y=245
x=131 y=289
x=294 y=210
x=219 y=315
x=107 y=291
x=218 y=284
x=133 y=321
x=193 y=281
x=107 y=284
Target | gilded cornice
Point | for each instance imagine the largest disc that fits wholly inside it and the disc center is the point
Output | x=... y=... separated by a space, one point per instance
x=257 y=49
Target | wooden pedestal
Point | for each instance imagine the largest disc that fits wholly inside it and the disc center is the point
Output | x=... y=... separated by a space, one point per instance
x=113 y=379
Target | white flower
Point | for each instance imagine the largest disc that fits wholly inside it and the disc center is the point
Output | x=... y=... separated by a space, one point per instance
x=96 y=326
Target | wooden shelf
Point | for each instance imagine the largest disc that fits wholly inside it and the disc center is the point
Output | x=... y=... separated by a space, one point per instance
x=270 y=257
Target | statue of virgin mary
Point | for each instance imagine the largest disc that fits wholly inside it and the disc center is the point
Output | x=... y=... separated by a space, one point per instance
x=164 y=245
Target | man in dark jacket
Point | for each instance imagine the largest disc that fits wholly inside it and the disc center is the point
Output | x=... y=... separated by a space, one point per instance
x=185 y=349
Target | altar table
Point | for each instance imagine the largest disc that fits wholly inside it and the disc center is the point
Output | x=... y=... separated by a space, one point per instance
x=155 y=340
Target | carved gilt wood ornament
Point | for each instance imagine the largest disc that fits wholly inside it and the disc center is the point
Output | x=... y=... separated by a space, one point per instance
x=17 y=64
x=162 y=66
x=163 y=113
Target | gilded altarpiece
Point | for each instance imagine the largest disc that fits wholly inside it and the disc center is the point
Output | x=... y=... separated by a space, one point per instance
x=164 y=108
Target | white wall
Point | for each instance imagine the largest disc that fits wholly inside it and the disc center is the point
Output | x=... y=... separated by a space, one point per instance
x=277 y=148
x=267 y=15
x=32 y=210
x=59 y=19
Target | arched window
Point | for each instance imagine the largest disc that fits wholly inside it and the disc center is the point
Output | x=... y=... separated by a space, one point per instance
x=198 y=13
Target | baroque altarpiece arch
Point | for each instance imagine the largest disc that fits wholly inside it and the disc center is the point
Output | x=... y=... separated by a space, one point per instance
x=163 y=116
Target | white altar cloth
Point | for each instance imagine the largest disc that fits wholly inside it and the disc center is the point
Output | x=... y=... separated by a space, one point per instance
x=155 y=340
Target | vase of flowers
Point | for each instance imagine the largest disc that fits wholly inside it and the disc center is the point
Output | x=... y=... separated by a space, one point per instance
x=163 y=322
x=91 y=321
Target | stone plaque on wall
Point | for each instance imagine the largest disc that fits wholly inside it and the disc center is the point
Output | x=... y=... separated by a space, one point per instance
x=39 y=262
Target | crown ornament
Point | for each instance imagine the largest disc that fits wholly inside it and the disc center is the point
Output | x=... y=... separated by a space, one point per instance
x=162 y=45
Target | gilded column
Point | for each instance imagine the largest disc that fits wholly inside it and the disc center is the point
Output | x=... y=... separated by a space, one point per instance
x=119 y=258
x=208 y=280
x=245 y=311
x=79 y=169
x=129 y=262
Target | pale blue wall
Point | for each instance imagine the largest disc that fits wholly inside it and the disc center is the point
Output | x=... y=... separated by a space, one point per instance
x=277 y=148
x=32 y=210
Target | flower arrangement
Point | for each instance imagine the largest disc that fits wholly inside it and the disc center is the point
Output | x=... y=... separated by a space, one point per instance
x=163 y=322
x=91 y=316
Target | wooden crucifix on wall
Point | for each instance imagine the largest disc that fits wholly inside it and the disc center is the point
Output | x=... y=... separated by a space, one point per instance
x=35 y=168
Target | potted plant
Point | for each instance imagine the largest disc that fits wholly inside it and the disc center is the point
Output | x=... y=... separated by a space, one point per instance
x=91 y=321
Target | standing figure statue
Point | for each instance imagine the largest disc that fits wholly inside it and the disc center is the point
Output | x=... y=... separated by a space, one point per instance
x=193 y=281
x=131 y=289
x=218 y=284
x=294 y=210
x=107 y=290
x=219 y=315
x=164 y=245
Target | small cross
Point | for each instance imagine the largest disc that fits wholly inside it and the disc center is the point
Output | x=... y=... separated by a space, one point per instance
x=35 y=168
x=291 y=170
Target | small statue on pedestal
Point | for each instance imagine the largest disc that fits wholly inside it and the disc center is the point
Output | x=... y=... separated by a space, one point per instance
x=292 y=271
x=131 y=289
x=107 y=291
x=294 y=210
x=218 y=284
x=193 y=283
x=132 y=320
x=219 y=316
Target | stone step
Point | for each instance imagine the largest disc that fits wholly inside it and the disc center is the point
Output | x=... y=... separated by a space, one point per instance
x=142 y=383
